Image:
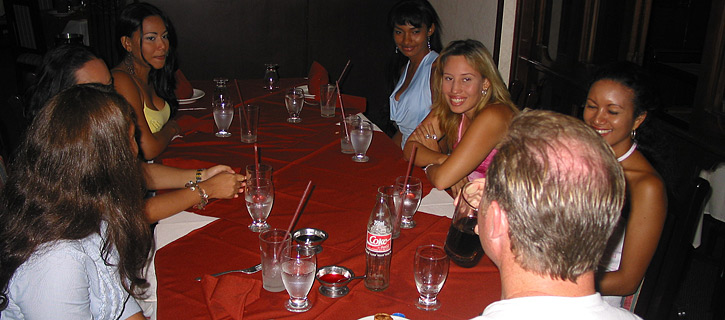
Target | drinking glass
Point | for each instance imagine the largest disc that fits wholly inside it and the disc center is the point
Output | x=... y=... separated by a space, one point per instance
x=298 y=275
x=259 y=195
x=270 y=76
x=265 y=171
x=430 y=272
x=345 y=127
x=223 y=115
x=410 y=195
x=361 y=134
x=294 y=99
x=462 y=243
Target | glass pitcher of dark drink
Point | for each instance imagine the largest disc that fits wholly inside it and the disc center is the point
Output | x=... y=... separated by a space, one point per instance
x=462 y=243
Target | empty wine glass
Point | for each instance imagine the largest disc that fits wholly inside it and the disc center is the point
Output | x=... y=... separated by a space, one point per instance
x=270 y=76
x=294 y=99
x=259 y=195
x=223 y=115
x=298 y=275
x=410 y=195
x=430 y=272
x=361 y=134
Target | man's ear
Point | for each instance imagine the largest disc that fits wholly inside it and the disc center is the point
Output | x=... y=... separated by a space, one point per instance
x=498 y=221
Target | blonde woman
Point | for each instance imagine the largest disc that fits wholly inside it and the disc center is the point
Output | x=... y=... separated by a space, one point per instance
x=470 y=115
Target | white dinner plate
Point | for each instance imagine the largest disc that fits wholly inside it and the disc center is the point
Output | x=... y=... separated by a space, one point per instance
x=306 y=91
x=196 y=96
x=373 y=317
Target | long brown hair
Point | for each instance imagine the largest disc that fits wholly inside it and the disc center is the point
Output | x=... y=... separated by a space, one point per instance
x=74 y=171
x=479 y=59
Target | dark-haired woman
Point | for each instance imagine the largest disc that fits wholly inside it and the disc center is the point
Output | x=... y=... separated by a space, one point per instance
x=59 y=71
x=145 y=77
x=74 y=240
x=218 y=182
x=617 y=107
x=416 y=32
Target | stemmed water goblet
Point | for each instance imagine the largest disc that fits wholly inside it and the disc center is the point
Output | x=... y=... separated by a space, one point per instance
x=294 y=99
x=259 y=196
x=361 y=134
x=223 y=115
x=430 y=272
x=409 y=193
x=270 y=76
x=298 y=274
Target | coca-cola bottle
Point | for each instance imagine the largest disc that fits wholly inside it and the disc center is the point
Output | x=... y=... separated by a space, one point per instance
x=378 y=246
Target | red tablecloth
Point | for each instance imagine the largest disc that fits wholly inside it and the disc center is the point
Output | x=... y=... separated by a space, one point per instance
x=342 y=197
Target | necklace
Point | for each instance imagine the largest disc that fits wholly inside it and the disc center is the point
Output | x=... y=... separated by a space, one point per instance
x=628 y=153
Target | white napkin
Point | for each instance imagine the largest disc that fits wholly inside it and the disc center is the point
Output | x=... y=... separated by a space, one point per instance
x=167 y=231
x=437 y=202
x=362 y=116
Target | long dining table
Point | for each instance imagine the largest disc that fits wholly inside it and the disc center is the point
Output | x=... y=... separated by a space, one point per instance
x=339 y=203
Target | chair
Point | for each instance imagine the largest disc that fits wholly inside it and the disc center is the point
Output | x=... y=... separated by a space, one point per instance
x=669 y=265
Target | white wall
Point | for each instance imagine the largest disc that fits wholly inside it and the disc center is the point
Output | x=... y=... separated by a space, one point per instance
x=476 y=19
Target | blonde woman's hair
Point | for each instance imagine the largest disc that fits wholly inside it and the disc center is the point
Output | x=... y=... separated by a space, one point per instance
x=480 y=59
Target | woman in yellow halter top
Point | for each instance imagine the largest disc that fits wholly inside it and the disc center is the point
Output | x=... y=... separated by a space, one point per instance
x=146 y=75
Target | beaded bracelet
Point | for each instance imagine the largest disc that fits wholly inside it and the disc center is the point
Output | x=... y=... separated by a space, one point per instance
x=193 y=186
x=198 y=175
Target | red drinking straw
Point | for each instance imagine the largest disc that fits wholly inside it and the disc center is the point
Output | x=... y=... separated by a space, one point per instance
x=343 y=72
x=342 y=110
x=256 y=161
x=299 y=207
x=244 y=111
x=403 y=194
x=410 y=163
x=337 y=83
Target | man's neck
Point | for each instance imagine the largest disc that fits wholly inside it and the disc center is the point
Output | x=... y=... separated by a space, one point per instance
x=517 y=283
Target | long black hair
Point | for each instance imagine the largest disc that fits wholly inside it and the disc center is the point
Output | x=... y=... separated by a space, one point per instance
x=75 y=170
x=417 y=13
x=163 y=80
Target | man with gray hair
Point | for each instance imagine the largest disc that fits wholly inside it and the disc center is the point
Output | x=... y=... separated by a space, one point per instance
x=551 y=199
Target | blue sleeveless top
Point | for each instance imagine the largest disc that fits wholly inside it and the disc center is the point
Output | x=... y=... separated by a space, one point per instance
x=414 y=104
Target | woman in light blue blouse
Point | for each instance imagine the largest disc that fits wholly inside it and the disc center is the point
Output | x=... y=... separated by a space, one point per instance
x=73 y=240
x=416 y=32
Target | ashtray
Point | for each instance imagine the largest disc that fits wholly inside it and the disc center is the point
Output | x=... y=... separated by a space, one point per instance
x=333 y=280
x=310 y=237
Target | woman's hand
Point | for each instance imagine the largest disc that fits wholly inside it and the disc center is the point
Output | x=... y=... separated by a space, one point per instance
x=425 y=135
x=174 y=126
x=213 y=171
x=223 y=185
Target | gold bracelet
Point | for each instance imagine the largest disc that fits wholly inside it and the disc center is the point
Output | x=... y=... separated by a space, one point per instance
x=193 y=186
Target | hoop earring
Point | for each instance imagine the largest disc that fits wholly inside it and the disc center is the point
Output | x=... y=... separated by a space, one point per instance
x=396 y=49
x=428 y=42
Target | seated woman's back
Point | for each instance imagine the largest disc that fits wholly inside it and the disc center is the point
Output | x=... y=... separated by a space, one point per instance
x=72 y=213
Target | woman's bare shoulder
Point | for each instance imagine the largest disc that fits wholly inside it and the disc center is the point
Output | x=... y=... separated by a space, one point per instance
x=642 y=178
x=495 y=113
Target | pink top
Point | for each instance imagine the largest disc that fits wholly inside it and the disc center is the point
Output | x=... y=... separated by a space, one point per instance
x=480 y=171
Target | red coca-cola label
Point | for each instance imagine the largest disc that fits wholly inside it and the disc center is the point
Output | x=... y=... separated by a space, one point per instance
x=379 y=242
